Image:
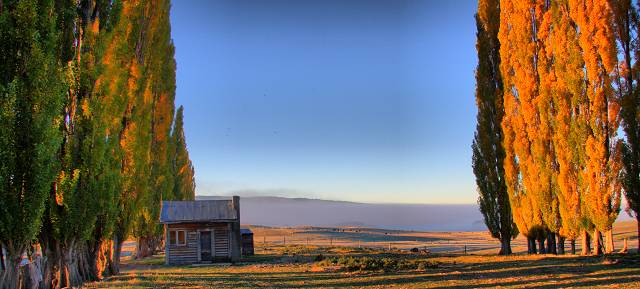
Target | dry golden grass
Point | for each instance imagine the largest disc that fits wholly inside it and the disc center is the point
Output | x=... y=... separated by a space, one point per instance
x=294 y=266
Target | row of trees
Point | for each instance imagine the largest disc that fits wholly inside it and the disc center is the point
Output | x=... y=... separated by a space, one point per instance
x=88 y=141
x=557 y=81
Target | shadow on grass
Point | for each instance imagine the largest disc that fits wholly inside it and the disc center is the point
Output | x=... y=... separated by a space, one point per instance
x=539 y=273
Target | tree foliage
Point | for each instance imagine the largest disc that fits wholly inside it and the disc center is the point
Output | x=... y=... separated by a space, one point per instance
x=488 y=153
x=87 y=95
x=183 y=173
x=625 y=25
x=525 y=134
x=32 y=90
x=561 y=117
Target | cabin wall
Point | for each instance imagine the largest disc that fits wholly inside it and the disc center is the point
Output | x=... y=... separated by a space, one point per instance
x=223 y=243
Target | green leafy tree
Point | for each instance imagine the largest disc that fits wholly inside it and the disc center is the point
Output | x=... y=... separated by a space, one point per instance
x=159 y=74
x=32 y=90
x=488 y=153
x=183 y=172
x=626 y=25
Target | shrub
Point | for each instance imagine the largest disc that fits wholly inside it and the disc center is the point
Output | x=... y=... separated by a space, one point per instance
x=386 y=264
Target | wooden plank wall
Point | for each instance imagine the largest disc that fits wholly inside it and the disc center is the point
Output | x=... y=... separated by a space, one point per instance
x=221 y=243
x=188 y=254
x=184 y=254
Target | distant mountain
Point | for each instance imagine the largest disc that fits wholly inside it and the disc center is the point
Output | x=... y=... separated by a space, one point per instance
x=280 y=211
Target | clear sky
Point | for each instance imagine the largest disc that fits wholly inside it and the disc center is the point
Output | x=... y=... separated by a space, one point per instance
x=369 y=101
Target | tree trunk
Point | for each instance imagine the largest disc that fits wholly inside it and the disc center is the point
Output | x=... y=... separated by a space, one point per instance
x=597 y=247
x=532 y=245
x=144 y=247
x=115 y=260
x=505 y=246
x=573 y=247
x=638 y=224
x=561 y=245
x=48 y=264
x=586 y=243
x=1 y=258
x=70 y=267
x=610 y=246
x=93 y=260
x=551 y=243
x=10 y=278
x=31 y=274
x=541 y=246
x=624 y=247
x=107 y=248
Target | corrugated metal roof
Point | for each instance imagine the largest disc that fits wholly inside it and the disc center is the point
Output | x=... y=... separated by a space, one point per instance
x=245 y=231
x=197 y=211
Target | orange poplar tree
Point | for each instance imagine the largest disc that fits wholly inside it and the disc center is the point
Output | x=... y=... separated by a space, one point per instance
x=520 y=53
x=569 y=102
x=601 y=175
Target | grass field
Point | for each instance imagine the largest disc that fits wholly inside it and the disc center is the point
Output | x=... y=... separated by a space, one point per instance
x=298 y=266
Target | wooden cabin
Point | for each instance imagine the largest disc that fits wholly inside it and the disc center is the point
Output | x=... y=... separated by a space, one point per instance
x=247 y=242
x=201 y=231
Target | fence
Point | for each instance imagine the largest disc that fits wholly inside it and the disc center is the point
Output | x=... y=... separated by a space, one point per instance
x=271 y=242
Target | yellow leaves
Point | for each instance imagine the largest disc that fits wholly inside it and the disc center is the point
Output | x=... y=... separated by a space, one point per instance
x=95 y=27
x=65 y=184
x=86 y=111
x=556 y=61
x=134 y=75
x=526 y=132
x=59 y=193
x=147 y=96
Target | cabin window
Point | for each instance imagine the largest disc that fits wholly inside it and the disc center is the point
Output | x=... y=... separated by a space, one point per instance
x=178 y=238
x=182 y=238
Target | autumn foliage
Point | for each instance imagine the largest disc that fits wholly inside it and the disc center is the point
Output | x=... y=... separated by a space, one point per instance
x=565 y=96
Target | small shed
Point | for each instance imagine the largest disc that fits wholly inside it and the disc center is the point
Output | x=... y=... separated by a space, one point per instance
x=203 y=231
x=247 y=242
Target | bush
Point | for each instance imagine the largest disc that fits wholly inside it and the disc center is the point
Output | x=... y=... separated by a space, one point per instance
x=386 y=264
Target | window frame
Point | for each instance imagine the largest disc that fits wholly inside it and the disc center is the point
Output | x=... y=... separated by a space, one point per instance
x=174 y=238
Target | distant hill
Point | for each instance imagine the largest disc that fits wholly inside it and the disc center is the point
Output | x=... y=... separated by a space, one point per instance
x=280 y=211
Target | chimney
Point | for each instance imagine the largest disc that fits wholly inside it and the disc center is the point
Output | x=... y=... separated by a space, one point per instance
x=236 y=206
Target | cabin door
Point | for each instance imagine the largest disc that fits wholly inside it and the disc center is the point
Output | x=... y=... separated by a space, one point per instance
x=205 y=246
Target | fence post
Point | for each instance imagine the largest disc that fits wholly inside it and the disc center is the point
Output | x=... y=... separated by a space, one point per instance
x=284 y=240
x=465 y=249
x=330 y=241
x=389 y=246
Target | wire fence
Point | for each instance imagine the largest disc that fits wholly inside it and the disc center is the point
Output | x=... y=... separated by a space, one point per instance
x=271 y=242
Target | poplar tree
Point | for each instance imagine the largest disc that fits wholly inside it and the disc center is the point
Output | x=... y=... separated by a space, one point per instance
x=488 y=153
x=569 y=135
x=159 y=75
x=86 y=186
x=626 y=25
x=526 y=139
x=602 y=188
x=32 y=90
x=182 y=168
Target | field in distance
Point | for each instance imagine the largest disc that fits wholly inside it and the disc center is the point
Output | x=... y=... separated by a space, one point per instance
x=450 y=242
x=349 y=263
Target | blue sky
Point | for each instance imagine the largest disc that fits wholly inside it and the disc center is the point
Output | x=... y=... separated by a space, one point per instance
x=369 y=101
